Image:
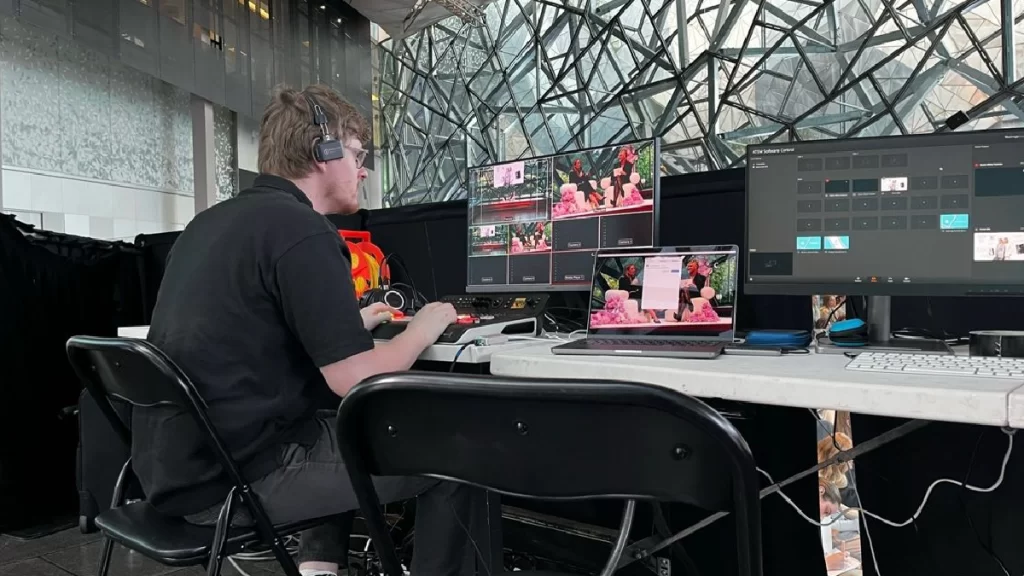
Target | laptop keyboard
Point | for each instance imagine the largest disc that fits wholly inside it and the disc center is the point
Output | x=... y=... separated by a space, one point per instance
x=658 y=342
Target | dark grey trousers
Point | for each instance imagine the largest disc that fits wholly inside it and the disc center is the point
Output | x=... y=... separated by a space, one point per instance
x=313 y=482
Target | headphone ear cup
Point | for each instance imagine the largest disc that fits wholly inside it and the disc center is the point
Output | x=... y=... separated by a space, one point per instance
x=396 y=299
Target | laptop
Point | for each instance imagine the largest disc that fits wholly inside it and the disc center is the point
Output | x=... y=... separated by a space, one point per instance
x=661 y=302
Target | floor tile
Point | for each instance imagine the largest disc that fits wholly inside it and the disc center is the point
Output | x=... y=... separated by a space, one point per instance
x=32 y=567
x=12 y=550
x=84 y=561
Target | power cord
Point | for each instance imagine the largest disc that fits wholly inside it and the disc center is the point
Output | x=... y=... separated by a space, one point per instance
x=459 y=353
x=987 y=547
x=920 y=509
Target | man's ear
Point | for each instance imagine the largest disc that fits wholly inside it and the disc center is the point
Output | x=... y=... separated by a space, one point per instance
x=821 y=490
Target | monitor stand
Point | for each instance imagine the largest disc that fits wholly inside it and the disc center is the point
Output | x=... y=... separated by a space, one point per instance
x=880 y=330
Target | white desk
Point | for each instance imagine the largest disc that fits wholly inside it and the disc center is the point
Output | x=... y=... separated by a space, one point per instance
x=472 y=354
x=804 y=381
x=436 y=353
x=138 y=332
x=1016 y=408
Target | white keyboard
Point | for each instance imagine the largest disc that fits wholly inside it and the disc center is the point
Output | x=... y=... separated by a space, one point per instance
x=939 y=365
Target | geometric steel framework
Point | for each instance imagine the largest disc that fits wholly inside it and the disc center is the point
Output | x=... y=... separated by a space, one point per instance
x=544 y=76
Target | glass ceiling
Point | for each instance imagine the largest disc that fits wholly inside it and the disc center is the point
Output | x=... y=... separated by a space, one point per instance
x=544 y=76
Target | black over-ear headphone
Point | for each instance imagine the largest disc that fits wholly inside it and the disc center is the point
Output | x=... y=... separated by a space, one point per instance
x=327 y=147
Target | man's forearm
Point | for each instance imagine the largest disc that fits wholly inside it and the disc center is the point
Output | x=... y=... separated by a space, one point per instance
x=393 y=356
x=402 y=351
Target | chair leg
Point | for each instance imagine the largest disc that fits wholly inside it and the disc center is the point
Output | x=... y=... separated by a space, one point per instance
x=220 y=536
x=285 y=559
x=108 y=549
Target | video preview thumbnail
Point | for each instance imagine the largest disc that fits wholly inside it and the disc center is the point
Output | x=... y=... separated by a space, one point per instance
x=666 y=292
x=511 y=192
x=608 y=180
x=999 y=247
x=488 y=240
x=504 y=239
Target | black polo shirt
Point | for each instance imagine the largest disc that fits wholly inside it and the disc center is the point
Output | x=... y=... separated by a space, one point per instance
x=256 y=297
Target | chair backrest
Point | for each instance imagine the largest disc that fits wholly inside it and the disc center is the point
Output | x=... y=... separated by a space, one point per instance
x=553 y=439
x=137 y=372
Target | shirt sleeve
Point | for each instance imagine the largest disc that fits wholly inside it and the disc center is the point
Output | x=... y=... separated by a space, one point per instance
x=314 y=286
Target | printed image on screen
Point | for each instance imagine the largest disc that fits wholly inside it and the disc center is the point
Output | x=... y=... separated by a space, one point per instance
x=898 y=184
x=613 y=180
x=511 y=174
x=999 y=246
x=674 y=294
x=510 y=192
x=488 y=240
x=530 y=237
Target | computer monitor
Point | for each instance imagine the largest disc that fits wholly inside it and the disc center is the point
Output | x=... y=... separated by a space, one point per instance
x=925 y=215
x=535 y=224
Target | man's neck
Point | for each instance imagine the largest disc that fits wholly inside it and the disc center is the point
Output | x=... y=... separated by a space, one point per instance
x=313 y=192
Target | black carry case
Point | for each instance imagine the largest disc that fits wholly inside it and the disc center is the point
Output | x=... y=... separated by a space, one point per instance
x=101 y=455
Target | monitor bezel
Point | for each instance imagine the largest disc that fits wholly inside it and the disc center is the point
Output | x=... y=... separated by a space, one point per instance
x=585 y=288
x=796 y=288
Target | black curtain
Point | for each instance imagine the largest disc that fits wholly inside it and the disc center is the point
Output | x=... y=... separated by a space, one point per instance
x=52 y=286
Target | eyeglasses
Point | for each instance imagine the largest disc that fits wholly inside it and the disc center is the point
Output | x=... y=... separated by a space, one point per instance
x=360 y=155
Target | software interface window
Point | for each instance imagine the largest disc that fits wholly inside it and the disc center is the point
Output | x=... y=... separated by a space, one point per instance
x=935 y=209
x=539 y=221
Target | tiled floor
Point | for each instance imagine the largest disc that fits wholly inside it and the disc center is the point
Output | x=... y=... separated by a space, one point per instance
x=71 y=553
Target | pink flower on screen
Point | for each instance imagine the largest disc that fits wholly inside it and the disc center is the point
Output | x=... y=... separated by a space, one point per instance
x=634 y=199
x=614 y=311
x=705 y=314
x=566 y=206
x=702 y=267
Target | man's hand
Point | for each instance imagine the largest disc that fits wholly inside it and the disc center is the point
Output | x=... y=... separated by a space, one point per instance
x=431 y=321
x=376 y=313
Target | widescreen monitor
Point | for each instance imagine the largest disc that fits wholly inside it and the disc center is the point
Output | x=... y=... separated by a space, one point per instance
x=932 y=215
x=534 y=225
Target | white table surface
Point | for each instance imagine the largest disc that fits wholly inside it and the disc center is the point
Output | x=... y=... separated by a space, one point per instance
x=436 y=353
x=1016 y=409
x=805 y=381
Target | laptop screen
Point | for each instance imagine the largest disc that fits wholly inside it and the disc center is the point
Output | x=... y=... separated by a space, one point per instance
x=665 y=292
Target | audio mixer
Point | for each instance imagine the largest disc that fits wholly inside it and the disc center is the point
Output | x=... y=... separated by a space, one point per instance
x=480 y=316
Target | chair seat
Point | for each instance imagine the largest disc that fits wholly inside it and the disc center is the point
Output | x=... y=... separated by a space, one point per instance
x=173 y=541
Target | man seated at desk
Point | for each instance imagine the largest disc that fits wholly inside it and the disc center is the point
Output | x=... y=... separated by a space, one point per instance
x=257 y=306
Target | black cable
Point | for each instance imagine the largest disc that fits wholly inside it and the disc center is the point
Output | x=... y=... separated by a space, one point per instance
x=459 y=353
x=987 y=547
x=397 y=260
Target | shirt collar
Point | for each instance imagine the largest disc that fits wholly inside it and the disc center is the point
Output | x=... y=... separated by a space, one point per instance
x=282 y=184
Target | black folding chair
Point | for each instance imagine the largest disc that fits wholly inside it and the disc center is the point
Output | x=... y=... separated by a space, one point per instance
x=137 y=372
x=549 y=439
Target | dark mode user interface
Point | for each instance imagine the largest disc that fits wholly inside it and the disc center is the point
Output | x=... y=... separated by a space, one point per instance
x=937 y=209
x=538 y=222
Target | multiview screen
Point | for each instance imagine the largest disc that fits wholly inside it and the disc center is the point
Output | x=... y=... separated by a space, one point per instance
x=535 y=224
x=936 y=213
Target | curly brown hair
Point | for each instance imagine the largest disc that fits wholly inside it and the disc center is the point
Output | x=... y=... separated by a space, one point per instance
x=827 y=448
x=287 y=131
